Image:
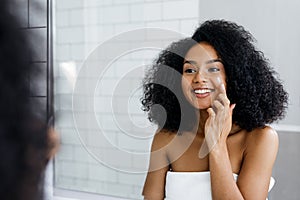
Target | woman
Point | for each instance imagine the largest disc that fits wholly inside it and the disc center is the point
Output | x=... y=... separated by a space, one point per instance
x=213 y=138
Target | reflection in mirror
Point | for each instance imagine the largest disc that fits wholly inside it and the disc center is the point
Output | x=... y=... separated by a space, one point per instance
x=102 y=50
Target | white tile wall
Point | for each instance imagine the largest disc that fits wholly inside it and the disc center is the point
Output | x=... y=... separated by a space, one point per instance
x=167 y=24
x=73 y=169
x=77 y=52
x=97 y=3
x=180 y=9
x=70 y=35
x=63 y=52
x=140 y=145
x=62 y=19
x=116 y=14
x=82 y=155
x=69 y=137
x=99 y=172
x=68 y=4
x=188 y=26
x=77 y=17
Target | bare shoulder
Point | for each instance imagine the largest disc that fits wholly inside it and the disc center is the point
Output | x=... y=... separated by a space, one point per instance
x=265 y=134
x=162 y=139
x=258 y=160
x=154 y=187
x=263 y=138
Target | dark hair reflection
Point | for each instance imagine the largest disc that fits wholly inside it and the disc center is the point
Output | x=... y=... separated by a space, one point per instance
x=23 y=133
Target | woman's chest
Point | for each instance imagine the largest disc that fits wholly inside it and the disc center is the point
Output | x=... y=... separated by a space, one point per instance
x=183 y=154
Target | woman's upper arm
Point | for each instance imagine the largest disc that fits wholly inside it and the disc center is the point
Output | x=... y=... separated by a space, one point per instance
x=154 y=187
x=259 y=158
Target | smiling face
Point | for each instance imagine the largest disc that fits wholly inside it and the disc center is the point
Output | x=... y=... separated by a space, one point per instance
x=203 y=74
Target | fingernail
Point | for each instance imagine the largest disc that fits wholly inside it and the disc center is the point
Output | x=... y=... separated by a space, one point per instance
x=233 y=106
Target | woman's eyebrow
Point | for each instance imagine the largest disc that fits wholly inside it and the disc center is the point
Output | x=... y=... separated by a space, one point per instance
x=214 y=60
x=192 y=62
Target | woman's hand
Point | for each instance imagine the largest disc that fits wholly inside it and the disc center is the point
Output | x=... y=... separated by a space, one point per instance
x=53 y=143
x=218 y=123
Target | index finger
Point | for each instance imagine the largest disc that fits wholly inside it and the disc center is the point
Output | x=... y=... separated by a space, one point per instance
x=222 y=88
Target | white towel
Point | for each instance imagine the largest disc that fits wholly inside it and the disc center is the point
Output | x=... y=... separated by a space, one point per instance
x=192 y=185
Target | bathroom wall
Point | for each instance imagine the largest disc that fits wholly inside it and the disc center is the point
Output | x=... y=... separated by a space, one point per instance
x=286 y=170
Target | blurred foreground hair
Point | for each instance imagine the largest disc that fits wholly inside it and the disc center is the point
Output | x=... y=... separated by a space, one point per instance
x=23 y=133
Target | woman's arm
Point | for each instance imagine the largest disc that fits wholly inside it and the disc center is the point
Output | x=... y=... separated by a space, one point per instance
x=154 y=187
x=218 y=125
x=259 y=157
x=254 y=178
x=223 y=185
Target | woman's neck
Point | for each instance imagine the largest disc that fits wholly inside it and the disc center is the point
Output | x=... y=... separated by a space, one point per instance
x=202 y=119
x=203 y=115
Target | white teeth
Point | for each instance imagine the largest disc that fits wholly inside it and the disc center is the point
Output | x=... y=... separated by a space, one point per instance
x=202 y=91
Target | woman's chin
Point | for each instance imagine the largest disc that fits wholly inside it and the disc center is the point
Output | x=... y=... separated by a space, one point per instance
x=201 y=106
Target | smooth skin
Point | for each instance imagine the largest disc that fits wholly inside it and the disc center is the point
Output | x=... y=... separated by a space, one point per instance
x=251 y=155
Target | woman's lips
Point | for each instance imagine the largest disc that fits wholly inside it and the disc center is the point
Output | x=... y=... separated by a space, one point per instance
x=202 y=92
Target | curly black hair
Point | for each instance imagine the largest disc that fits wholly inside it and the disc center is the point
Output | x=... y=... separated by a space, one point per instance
x=251 y=82
x=23 y=134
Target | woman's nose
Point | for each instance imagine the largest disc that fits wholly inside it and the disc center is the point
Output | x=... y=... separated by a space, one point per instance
x=199 y=77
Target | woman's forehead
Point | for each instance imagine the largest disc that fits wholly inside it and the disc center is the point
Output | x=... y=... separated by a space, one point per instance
x=202 y=52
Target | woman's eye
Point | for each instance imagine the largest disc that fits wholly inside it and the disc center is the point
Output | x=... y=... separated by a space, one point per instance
x=213 y=69
x=190 y=70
